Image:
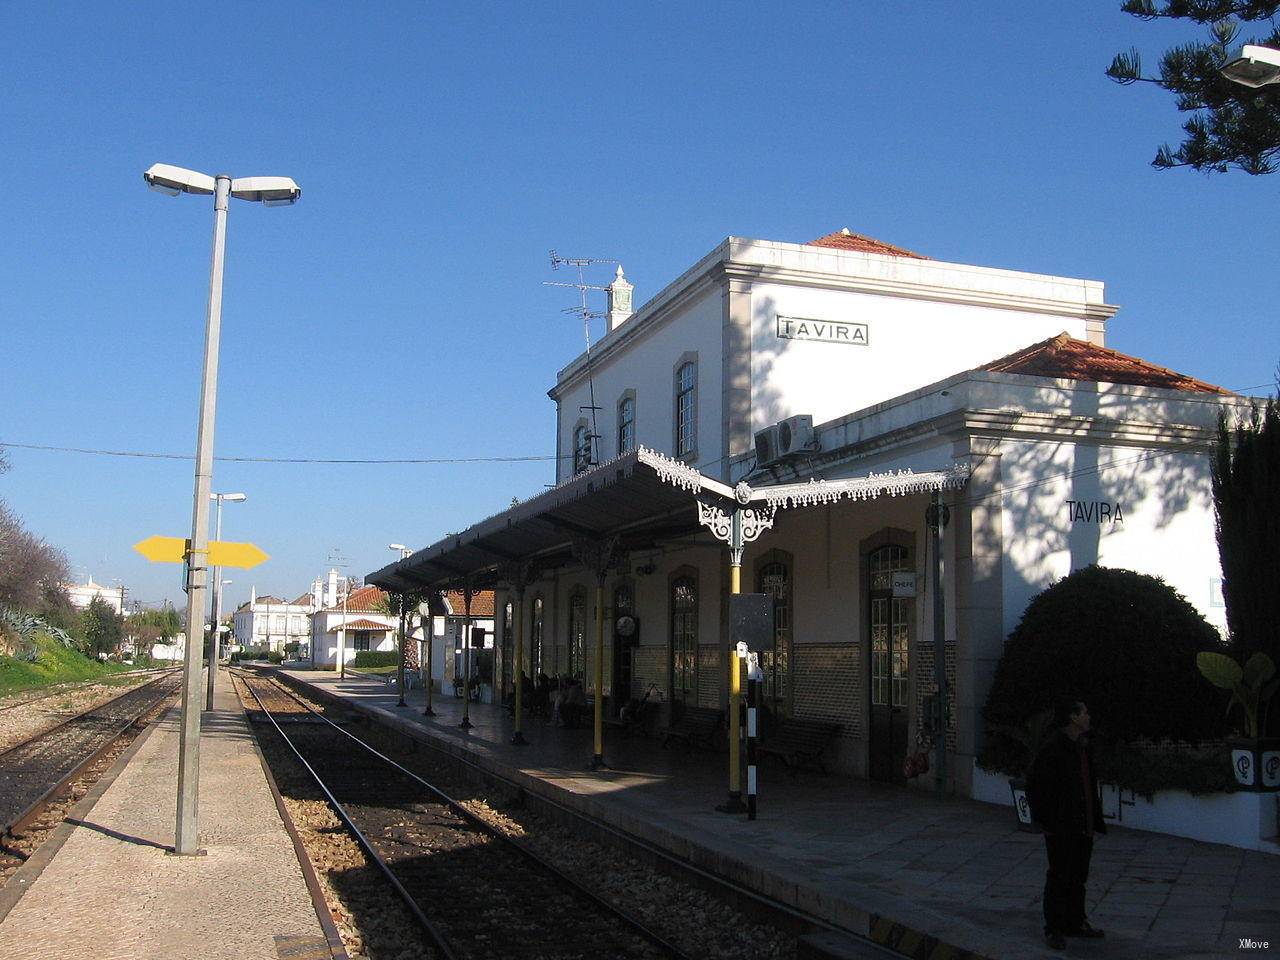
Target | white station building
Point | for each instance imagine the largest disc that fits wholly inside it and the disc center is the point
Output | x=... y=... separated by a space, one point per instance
x=797 y=409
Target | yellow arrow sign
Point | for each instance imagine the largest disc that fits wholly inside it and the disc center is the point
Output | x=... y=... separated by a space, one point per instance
x=221 y=554
x=243 y=555
x=163 y=549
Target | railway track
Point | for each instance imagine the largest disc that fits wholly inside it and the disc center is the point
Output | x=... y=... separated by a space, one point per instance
x=33 y=772
x=70 y=686
x=475 y=891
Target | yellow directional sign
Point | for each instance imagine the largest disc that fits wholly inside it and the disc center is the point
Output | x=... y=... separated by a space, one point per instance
x=221 y=554
x=163 y=549
x=243 y=555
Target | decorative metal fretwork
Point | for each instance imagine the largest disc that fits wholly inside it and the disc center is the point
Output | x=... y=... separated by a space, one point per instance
x=671 y=471
x=751 y=522
x=894 y=484
x=596 y=554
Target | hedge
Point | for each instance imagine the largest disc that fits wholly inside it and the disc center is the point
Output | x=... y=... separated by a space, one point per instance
x=377 y=658
x=1124 y=643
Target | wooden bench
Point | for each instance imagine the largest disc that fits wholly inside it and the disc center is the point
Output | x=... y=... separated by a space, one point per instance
x=799 y=741
x=697 y=725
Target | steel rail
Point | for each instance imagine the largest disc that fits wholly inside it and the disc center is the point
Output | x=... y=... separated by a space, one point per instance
x=32 y=809
x=437 y=937
x=87 y=682
x=480 y=823
x=697 y=875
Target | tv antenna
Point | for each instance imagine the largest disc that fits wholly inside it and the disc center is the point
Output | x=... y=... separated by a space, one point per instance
x=587 y=315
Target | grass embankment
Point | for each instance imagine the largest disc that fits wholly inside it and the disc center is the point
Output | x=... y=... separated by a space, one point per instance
x=56 y=664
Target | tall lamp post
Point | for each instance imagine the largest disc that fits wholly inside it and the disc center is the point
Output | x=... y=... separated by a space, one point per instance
x=404 y=615
x=217 y=590
x=269 y=191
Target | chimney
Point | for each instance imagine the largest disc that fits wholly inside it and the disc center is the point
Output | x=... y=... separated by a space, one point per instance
x=619 y=300
x=253 y=596
x=331 y=590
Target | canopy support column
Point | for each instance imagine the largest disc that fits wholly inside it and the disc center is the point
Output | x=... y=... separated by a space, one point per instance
x=404 y=617
x=744 y=525
x=518 y=576
x=435 y=606
x=466 y=655
x=936 y=517
x=597 y=555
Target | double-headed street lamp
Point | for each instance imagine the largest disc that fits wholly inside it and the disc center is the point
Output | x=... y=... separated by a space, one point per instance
x=1253 y=66
x=218 y=498
x=269 y=191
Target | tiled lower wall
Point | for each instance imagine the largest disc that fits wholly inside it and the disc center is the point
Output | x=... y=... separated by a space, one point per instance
x=710 y=679
x=828 y=684
x=649 y=665
x=926 y=685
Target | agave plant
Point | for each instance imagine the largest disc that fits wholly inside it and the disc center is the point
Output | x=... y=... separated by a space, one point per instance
x=1249 y=685
x=26 y=626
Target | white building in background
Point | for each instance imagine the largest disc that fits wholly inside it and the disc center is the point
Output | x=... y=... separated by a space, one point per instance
x=83 y=594
x=834 y=388
x=359 y=623
x=268 y=623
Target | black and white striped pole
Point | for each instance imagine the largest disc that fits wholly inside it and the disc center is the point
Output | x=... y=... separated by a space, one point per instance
x=754 y=676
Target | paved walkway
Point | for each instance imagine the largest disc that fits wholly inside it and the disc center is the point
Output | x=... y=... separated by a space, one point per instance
x=863 y=854
x=111 y=891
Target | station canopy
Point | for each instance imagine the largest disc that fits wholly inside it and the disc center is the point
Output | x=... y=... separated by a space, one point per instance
x=643 y=499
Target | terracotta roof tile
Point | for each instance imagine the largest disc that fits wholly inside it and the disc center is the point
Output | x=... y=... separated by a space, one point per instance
x=1067 y=358
x=481 y=603
x=361 y=624
x=362 y=600
x=846 y=240
x=303 y=600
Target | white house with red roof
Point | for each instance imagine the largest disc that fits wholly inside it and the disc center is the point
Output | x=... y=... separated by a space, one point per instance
x=358 y=622
x=267 y=622
x=820 y=397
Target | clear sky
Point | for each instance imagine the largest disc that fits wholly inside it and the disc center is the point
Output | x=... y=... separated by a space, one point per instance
x=443 y=149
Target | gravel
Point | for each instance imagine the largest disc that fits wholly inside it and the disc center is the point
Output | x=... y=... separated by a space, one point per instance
x=698 y=922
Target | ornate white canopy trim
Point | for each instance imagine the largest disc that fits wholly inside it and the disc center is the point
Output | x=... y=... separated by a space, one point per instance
x=680 y=474
x=895 y=483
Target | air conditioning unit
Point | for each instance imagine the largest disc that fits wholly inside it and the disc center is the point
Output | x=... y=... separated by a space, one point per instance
x=767 y=446
x=786 y=439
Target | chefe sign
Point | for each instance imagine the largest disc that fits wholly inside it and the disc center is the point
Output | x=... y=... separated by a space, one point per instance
x=824 y=331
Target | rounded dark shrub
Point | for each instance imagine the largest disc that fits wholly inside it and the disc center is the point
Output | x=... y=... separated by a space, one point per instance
x=1123 y=642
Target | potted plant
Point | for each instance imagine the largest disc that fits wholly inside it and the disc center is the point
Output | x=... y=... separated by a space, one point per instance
x=1033 y=733
x=1254 y=758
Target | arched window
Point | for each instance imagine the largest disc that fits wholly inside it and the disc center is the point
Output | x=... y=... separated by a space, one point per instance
x=774 y=578
x=626 y=424
x=684 y=637
x=890 y=629
x=535 y=638
x=686 y=409
x=577 y=631
x=581 y=448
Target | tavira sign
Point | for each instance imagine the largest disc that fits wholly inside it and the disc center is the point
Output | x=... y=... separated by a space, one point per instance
x=824 y=331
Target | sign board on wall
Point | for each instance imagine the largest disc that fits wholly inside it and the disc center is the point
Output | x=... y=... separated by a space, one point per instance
x=904 y=584
x=823 y=331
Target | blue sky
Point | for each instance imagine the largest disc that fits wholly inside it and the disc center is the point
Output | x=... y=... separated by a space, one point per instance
x=443 y=149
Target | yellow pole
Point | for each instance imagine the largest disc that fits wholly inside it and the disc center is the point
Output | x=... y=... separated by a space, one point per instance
x=518 y=666
x=598 y=759
x=735 y=695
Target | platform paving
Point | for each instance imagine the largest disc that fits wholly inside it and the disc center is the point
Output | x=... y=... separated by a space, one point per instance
x=870 y=857
x=112 y=892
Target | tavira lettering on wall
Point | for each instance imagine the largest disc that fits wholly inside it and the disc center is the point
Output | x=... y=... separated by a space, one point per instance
x=1094 y=511
x=824 y=331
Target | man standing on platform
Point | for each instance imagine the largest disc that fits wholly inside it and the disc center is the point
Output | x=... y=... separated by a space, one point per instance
x=1063 y=792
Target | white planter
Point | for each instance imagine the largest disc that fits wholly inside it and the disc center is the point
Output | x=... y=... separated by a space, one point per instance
x=1245 y=819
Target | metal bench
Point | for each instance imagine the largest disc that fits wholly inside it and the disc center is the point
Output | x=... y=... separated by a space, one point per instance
x=697 y=725
x=798 y=741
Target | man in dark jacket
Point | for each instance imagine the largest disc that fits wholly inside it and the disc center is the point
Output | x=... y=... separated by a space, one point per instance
x=1063 y=793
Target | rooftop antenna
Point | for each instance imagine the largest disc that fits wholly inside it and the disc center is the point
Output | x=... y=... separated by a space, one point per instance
x=557 y=261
